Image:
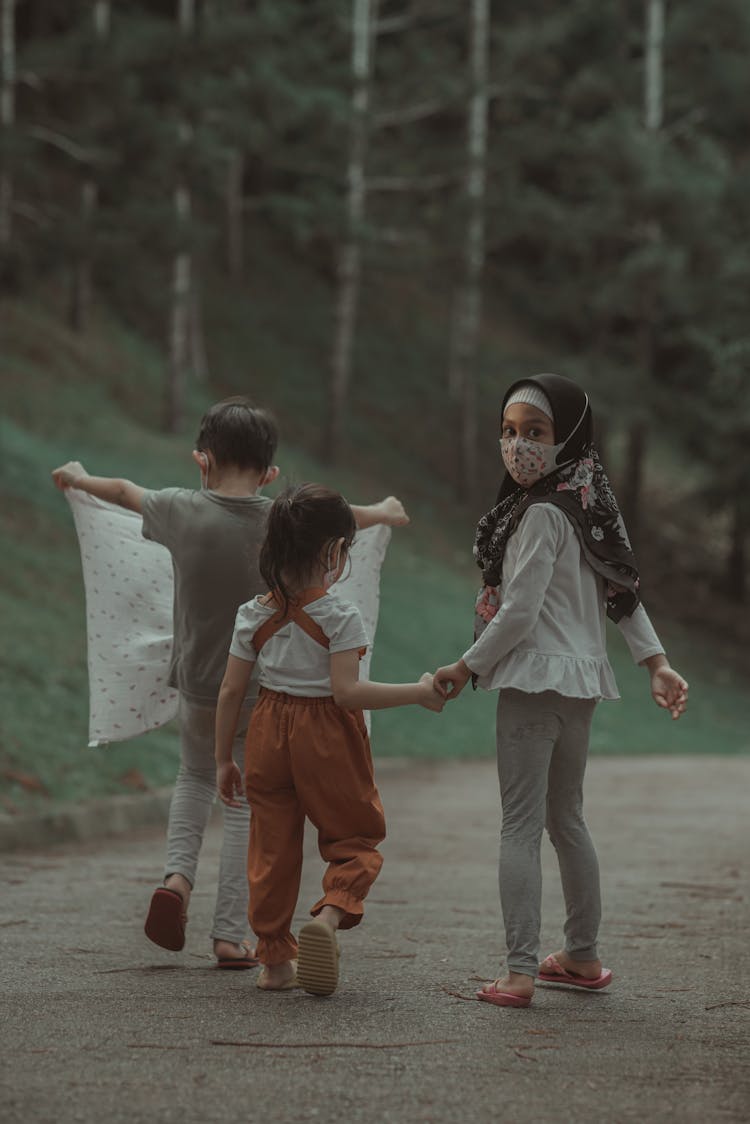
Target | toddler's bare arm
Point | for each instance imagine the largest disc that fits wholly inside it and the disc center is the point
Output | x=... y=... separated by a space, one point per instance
x=231 y=697
x=352 y=694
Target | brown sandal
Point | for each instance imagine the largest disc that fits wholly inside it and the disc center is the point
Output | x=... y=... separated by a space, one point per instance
x=165 y=924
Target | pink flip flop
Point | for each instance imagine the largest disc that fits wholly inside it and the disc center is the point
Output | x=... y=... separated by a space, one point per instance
x=560 y=976
x=503 y=998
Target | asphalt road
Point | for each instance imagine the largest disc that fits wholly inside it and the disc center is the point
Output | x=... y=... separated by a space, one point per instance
x=98 y=1025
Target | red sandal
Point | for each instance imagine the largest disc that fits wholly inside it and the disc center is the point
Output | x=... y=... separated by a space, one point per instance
x=165 y=924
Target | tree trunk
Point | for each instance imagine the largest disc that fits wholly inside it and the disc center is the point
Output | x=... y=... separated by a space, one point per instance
x=182 y=268
x=102 y=18
x=235 y=215
x=198 y=356
x=81 y=286
x=81 y=283
x=186 y=16
x=635 y=456
x=7 y=111
x=737 y=557
x=468 y=306
x=653 y=116
x=179 y=325
x=349 y=266
x=653 y=85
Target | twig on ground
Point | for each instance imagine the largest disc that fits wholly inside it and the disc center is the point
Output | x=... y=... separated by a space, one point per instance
x=518 y=1051
x=389 y=956
x=153 y=1046
x=459 y=995
x=336 y=1045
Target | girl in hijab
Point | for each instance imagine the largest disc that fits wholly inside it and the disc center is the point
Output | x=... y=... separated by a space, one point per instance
x=555 y=561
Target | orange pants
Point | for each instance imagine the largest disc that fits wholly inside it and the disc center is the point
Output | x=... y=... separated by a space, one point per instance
x=308 y=757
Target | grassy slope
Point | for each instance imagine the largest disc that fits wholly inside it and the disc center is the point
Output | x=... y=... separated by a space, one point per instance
x=97 y=400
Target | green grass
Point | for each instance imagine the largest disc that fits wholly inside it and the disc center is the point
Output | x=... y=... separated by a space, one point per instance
x=97 y=400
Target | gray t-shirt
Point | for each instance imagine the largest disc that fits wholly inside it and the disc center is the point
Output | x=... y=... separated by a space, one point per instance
x=215 y=543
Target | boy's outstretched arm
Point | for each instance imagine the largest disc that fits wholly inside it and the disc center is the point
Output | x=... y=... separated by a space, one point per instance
x=352 y=694
x=389 y=511
x=668 y=689
x=111 y=489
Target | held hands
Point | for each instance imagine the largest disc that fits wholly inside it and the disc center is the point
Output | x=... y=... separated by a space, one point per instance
x=451 y=680
x=66 y=475
x=669 y=690
x=429 y=697
x=229 y=783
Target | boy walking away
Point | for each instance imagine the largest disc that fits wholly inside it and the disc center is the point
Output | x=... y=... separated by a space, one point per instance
x=214 y=537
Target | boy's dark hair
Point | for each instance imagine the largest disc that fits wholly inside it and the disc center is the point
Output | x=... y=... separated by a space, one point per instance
x=302 y=519
x=239 y=434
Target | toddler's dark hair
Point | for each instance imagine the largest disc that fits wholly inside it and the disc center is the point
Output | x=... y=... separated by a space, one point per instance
x=239 y=434
x=302 y=520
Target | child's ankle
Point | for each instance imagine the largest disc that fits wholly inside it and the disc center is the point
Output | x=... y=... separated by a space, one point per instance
x=331 y=916
x=179 y=883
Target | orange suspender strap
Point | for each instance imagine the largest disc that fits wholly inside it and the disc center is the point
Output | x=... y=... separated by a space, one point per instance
x=295 y=613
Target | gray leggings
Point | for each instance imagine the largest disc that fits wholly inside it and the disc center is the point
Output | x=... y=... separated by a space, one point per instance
x=542 y=745
x=193 y=797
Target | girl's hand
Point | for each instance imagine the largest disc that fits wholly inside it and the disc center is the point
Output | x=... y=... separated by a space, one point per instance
x=669 y=690
x=451 y=680
x=66 y=475
x=429 y=696
x=229 y=783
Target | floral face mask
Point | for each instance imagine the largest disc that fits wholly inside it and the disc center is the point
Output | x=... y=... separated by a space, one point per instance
x=528 y=461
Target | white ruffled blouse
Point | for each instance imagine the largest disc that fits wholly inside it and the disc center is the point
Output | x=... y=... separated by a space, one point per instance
x=549 y=633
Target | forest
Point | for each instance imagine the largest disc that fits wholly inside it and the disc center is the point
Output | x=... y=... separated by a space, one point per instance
x=494 y=188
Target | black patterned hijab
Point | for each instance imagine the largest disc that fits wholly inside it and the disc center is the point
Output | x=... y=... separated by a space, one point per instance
x=580 y=488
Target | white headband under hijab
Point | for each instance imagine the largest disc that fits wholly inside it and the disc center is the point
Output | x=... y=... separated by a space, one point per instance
x=531 y=395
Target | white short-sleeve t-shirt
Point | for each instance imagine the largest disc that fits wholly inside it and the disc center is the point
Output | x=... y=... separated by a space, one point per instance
x=291 y=661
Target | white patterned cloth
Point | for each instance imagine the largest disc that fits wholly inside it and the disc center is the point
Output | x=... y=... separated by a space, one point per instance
x=129 y=586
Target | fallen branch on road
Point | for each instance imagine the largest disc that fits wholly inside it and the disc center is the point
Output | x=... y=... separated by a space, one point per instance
x=336 y=1045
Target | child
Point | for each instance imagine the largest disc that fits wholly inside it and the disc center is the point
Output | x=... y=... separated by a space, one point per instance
x=553 y=551
x=214 y=537
x=308 y=753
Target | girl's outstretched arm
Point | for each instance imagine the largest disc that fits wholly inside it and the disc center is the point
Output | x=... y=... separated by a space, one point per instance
x=352 y=694
x=668 y=688
x=231 y=697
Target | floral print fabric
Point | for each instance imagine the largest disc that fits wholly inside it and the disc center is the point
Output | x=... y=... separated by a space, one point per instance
x=583 y=491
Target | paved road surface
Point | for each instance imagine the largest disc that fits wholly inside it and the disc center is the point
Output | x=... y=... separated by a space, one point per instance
x=98 y=1025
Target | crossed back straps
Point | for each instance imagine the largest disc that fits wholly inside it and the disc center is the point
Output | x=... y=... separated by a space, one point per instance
x=295 y=612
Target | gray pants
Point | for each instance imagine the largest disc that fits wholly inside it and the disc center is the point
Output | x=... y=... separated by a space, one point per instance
x=542 y=745
x=193 y=797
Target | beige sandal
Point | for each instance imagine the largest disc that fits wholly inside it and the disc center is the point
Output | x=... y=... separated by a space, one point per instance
x=318 y=964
